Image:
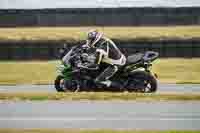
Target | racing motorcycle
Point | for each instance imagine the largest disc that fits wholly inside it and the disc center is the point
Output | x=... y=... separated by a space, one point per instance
x=76 y=75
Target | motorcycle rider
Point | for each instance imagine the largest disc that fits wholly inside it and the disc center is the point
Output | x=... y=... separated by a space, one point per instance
x=106 y=52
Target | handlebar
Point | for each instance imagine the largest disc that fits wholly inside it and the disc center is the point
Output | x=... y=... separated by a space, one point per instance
x=86 y=67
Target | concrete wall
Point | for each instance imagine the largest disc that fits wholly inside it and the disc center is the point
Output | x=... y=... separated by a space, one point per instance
x=50 y=50
x=101 y=16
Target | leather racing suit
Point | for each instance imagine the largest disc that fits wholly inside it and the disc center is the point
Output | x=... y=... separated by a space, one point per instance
x=109 y=53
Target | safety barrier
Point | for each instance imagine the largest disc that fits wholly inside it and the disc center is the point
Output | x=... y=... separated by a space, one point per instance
x=101 y=17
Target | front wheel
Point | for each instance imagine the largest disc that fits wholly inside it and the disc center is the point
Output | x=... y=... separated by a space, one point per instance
x=142 y=81
x=59 y=83
x=63 y=85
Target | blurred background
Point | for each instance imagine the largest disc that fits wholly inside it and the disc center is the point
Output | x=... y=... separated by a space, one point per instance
x=33 y=32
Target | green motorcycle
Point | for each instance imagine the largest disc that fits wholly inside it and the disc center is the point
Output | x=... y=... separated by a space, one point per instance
x=134 y=76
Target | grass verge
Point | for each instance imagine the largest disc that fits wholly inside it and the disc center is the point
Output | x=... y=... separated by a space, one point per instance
x=27 y=72
x=73 y=34
x=87 y=131
x=178 y=70
x=34 y=96
x=44 y=72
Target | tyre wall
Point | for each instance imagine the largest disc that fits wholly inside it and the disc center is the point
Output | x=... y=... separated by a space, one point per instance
x=50 y=50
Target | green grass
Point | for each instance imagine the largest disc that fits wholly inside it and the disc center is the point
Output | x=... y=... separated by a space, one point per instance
x=44 y=72
x=178 y=70
x=86 y=131
x=40 y=96
x=27 y=72
x=79 y=33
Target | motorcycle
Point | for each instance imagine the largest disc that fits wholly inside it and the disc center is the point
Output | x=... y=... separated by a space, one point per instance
x=134 y=76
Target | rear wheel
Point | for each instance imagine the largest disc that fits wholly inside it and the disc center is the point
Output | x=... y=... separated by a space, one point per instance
x=142 y=81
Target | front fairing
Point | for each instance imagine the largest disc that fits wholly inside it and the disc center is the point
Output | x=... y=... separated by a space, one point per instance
x=64 y=70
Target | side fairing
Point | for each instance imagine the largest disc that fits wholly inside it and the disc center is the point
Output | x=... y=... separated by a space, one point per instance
x=64 y=70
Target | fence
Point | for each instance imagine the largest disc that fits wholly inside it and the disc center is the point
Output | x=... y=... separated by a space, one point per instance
x=101 y=16
x=50 y=50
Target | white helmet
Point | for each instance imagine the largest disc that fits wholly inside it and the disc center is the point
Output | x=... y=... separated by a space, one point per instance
x=93 y=37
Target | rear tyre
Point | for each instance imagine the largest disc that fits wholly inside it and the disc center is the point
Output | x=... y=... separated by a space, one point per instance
x=142 y=81
x=59 y=83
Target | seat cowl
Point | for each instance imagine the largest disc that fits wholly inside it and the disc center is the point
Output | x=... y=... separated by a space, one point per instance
x=135 y=58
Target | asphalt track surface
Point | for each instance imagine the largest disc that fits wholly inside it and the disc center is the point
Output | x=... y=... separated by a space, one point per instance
x=101 y=114
x=50 y=88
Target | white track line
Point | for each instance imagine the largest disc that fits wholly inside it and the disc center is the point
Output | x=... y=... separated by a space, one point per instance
x=93 y=119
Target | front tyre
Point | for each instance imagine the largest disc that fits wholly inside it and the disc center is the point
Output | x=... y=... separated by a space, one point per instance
x=59 y=83
x=142 y=81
